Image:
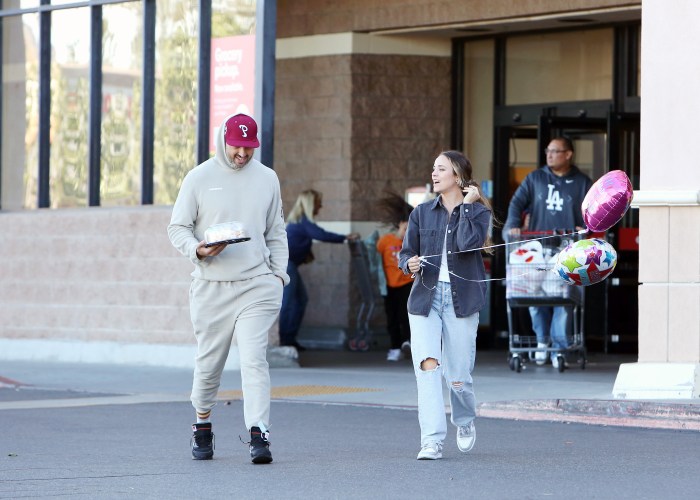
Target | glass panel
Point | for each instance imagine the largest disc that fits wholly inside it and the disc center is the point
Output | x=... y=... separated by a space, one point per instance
x=120 y=169
x=70 y=63
x=19 y=4
x=20 y=112
x=523 y=160
x=478 y=109
x=590 y=147
x=639 y=62
x=232 y=64
x=557 y=67
x=177 y=61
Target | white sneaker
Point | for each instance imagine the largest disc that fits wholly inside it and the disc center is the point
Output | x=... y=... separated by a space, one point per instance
x=431 y=451
x=466 y=437
x=541 y=356
x=406 y=348
x=393 y=355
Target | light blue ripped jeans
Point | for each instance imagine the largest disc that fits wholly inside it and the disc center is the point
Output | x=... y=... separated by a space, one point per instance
x=451 y=341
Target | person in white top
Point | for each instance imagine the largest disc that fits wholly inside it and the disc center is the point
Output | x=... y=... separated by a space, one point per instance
x=236 y=288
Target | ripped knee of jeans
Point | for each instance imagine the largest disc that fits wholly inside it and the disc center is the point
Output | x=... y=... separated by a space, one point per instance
x=429 y=365
x=457 y=386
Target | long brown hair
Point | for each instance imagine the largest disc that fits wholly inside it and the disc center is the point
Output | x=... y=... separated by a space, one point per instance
x=463 y=170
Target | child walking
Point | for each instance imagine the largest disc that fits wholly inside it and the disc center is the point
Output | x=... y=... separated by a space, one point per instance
x=442 y=248
x=394 y=211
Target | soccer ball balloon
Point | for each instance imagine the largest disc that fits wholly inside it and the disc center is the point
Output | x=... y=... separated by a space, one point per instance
x=586 y=262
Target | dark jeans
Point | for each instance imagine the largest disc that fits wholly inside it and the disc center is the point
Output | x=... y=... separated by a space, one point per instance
x=294 y=300
x=395 y=305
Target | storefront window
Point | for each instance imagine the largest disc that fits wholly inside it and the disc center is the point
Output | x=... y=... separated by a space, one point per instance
x=176 y=96
x=559 y=67
x=175 y=108
x=20 y=108
x=478 y=108
x=120 y=177
x=233 y=28
x=233 y=63
x=523 y=158
x=70 y=65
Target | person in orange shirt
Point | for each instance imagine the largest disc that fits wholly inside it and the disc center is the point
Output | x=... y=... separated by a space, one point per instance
x=394 y=211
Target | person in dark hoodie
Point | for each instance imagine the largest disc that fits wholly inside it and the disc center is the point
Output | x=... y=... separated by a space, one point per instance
x=236 y=289
x=552 y=198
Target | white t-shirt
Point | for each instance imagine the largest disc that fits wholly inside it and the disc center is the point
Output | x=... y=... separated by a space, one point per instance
x=444 y=273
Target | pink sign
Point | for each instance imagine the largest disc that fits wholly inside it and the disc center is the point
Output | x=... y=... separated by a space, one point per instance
x=232 y=80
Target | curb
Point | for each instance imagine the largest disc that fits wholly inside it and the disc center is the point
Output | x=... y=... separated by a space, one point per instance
x=12 y=384
x=598 y=412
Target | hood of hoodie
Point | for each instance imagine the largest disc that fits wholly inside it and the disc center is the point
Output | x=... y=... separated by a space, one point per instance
x=221 y=147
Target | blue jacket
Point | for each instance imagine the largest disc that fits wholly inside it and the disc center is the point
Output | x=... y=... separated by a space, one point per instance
x=300 y=236
x=467 y=227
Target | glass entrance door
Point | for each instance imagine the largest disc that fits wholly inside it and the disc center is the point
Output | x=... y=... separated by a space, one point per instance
x=590 y=138
x=601 y=145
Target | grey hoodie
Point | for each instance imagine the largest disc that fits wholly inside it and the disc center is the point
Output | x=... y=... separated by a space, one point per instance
x=214 y=192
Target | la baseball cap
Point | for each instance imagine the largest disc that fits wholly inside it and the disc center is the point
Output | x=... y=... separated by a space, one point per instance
x=241 y=131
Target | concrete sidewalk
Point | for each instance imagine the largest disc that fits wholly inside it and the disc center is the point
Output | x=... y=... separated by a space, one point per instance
x=348 y=378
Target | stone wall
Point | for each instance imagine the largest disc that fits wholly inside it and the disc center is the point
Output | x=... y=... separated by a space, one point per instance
x=93 y=274
x=313 y=126
x=401 y=121
x=95 y=285
x=351 y=126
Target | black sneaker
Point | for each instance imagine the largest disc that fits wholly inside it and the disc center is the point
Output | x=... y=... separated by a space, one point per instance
x=259 y=447
x=202 y=442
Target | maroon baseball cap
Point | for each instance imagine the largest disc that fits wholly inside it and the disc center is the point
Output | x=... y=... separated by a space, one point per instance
x=241 y=131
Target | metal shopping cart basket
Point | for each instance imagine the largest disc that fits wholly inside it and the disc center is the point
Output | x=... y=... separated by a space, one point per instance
x=360 y=268
x=530 y=257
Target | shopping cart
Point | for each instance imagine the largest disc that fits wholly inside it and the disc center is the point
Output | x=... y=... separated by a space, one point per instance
x=360 y=266
x=530 y=257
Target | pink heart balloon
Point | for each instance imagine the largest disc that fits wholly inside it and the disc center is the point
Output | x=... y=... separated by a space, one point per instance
x=607 y=201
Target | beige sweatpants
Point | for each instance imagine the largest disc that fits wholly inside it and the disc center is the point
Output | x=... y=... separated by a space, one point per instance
x=220 y=310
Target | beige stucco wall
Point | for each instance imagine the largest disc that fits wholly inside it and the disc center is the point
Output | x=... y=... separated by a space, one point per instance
x=669 y=205
x=669 y=257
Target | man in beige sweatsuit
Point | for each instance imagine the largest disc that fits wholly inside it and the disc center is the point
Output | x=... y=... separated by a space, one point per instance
x=236 y=288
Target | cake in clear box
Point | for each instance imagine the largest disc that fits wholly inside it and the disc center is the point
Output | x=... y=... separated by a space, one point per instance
x=226 y=232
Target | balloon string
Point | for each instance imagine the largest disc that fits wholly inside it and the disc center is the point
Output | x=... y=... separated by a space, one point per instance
x=537 y=269
x=423 y=258
x=581 y=231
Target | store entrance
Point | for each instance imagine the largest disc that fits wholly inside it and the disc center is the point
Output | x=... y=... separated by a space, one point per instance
x=602 y=145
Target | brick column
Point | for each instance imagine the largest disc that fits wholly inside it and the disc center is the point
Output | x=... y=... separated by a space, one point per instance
x=350 y=124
